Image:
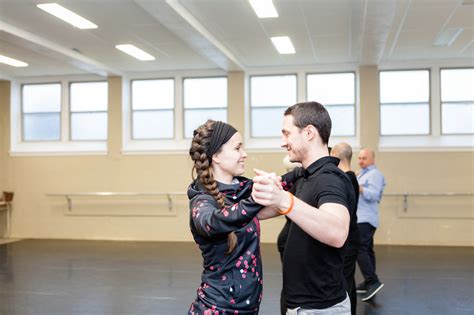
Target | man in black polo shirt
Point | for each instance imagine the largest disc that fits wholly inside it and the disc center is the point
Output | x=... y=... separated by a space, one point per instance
x=313 y=262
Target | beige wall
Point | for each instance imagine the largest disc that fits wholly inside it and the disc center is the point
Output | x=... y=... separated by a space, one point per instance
x=4 y=123
x=37 y=216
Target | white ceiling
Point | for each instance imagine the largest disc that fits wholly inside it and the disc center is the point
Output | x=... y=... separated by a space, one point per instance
x=226 y=34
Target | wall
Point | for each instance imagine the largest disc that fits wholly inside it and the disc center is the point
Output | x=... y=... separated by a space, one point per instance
x=37 y=216
x=4 y=144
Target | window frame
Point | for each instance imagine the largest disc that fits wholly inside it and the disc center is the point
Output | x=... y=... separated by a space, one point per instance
x=356 y=97
x=70 y=112
x=183 y=112
x=22 y=131
x=441 y=102
x=62 y=147
x=173 y=110
x=435 y=141
x=295 y=74
x=266 y=145
x=177 y=145
x=430 y=126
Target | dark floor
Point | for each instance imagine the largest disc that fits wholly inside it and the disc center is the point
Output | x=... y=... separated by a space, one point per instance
x=97 y=277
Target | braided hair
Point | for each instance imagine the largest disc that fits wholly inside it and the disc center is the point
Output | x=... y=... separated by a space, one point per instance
x=202 y=168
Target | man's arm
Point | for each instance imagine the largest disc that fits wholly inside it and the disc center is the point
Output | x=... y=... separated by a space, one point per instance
x=371 y=190
x=329 y=224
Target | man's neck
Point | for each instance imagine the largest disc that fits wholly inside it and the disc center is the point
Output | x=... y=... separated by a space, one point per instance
x=344 y=166
x=314 y=155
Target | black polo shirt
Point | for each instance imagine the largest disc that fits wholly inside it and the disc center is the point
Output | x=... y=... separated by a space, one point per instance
x=353 y=239
x=312 y=271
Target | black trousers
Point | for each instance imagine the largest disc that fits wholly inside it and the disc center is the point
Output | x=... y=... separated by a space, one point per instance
x=366 y=256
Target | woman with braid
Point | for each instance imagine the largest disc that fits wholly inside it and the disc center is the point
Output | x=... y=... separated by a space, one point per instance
x=224 y=221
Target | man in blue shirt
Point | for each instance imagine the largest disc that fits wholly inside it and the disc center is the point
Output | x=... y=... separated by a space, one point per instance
x=371 y=186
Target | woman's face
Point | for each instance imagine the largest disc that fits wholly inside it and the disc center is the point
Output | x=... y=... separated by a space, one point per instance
x=231 y=157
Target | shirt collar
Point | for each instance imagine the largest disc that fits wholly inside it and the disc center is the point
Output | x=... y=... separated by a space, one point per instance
x=370 y=167
x=316 y=165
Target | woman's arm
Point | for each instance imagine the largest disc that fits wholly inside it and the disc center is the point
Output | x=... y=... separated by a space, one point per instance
x=267 y=213
x=209 y=219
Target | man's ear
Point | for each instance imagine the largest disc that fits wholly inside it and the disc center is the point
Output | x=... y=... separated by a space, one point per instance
x=311 y=132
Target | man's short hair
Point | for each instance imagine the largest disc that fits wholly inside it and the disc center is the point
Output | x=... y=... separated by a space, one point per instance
x=311 y=113
x=343 y=151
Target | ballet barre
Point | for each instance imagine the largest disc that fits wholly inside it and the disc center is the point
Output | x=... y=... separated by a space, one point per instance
x=425 y=194
x=70 y=196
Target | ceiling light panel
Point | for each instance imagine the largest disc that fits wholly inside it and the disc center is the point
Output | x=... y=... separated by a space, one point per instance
x=447 y=36
x=135 y=52
x=66 y=15
x=264 y=8
x=12 y=62
x=283 y=45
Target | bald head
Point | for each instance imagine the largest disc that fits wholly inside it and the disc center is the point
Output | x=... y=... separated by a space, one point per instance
x=366 y=158
x=343 y=152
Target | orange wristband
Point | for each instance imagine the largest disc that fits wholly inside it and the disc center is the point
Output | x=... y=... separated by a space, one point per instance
x=292 y=202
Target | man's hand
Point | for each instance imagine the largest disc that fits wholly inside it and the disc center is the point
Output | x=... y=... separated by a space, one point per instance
x=276 y=179
x=267 y=189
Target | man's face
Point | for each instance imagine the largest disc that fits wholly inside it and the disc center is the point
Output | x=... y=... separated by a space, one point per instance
x=293 y=140
x=365 y=159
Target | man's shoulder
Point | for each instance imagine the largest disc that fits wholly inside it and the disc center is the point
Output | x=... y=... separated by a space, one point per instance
x=375 y=170
x=332 y=171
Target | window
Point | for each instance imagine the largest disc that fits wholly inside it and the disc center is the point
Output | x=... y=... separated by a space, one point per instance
x=41 y=112
x=457 y=101
x=153 y=109
x=269 y=97
x=336 y=91
x=88 y=109
x=204 y=98
x=405 y=102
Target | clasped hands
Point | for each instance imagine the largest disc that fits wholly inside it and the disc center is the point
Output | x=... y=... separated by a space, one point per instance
x=267 y=189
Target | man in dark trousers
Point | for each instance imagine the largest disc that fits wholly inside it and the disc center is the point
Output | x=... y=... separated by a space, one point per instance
x=320 y=210
x=343 y=152
x=371 y=186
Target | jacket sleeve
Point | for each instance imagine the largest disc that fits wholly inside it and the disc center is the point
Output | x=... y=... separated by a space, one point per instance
x=211 y=220
x=288 y=179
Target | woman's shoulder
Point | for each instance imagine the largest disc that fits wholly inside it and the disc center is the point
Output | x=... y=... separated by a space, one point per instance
x=243 y=179
x=196 y=190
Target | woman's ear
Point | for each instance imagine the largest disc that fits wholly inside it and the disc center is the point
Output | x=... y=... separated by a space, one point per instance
x=216 y=159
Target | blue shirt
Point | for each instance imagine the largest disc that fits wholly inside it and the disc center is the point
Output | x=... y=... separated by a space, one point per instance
x=373 y=184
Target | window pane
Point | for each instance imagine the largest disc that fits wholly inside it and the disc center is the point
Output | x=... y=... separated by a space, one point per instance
x=458 y=118
x=89 y=126
x=267 y=122
x=331 y=88
x=273 y=90
x=153 y=124
x=205 y=92
x=457 y=85
x=343 y=120
x=38 y=127
x=89 y=96
x=195 y=118
x=153 y=94
x=41 y=98
x=405 y=119
x=404 y=86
